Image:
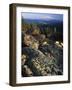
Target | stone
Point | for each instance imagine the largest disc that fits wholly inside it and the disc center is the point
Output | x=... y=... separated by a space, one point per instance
x=23 y=59
x=26 y=71
x=47 y=60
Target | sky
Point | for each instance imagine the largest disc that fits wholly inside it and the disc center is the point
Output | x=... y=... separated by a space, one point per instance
x=42 y=16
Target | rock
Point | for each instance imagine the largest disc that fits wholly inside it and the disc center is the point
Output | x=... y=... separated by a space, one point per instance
x=47 y=60
x=48 y=69
x=26 y=71
x=39 y=37
x=30 y=41
x=23 y=59
x=55 y=54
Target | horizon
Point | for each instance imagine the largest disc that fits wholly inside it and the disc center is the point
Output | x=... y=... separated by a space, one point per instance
x=42 y=16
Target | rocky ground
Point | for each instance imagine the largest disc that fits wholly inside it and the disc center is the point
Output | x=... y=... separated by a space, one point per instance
x=41 y=58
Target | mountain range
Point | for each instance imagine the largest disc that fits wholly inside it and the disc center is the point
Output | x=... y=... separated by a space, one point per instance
x=49 y=22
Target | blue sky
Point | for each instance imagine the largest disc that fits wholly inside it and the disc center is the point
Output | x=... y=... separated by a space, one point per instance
x=42 y=16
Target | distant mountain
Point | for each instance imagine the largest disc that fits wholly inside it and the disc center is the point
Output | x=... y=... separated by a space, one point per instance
x=49 y=22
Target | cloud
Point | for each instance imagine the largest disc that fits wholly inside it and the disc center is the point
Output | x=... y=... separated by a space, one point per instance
x=46 y=17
